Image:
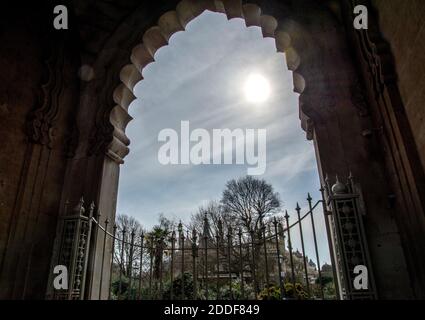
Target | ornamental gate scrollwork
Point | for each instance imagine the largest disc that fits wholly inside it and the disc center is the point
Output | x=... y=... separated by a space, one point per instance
x=348 y=238
x=72 y=251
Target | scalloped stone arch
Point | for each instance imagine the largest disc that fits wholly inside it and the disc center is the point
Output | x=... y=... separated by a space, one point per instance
x=328 y=75
x=175 y=21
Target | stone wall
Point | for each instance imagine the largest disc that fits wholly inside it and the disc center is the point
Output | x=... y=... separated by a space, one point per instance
x=38 y=93
x=403 y=26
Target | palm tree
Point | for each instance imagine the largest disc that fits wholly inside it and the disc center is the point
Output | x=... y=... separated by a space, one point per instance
x=156 y=242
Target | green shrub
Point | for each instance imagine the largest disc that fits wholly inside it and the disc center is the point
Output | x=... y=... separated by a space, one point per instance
x=272 y=292
x=177 y=285
x=125 y=294
x=298 y=292
x=236 y=292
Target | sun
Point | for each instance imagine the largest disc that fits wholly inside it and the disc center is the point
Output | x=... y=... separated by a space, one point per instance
x=257 y=88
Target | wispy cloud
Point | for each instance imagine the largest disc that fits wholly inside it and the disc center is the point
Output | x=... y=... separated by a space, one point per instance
x=199 y=77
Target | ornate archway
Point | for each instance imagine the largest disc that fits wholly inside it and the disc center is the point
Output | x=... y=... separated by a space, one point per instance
x=333 y=110
x=64 y=136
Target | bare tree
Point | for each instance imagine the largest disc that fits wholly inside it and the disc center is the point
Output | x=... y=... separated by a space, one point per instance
x=218 y=221
x=126 y=226
x=250 y=201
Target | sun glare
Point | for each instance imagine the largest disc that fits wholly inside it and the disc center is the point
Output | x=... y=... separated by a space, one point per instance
x=257 y=88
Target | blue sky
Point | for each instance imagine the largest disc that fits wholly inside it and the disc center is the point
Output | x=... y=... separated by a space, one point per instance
x=200 y=77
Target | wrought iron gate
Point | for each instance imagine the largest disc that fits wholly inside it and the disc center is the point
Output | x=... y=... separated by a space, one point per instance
x=222 y=263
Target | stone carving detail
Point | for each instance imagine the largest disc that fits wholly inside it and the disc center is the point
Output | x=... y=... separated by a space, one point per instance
x=41 y=121
x=377 y=54
x=104 y=129
x=101 y=137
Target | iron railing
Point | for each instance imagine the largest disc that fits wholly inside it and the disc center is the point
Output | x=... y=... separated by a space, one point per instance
x=105 y=260
x=213 y=264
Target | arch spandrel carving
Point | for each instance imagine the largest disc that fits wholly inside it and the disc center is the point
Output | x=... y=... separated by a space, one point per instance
x=233 y=8
x=123 y=96
x=170 y=24
x=252 y=14
x=154 y=39
x=140 y=57
x=129 y=75
x=268 y=26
